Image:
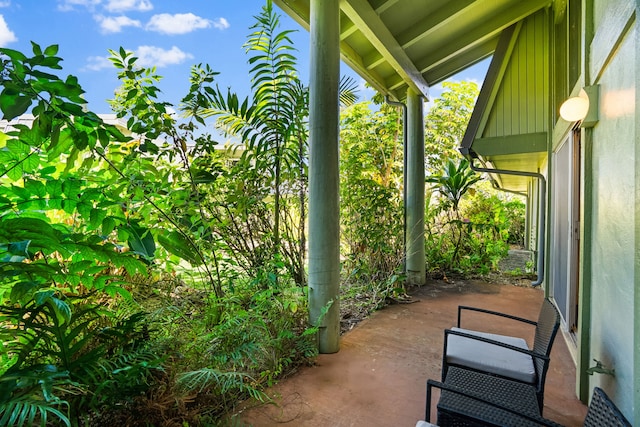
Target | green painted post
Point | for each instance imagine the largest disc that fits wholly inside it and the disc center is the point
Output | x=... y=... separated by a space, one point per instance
x=415 y=190
x=324 y=208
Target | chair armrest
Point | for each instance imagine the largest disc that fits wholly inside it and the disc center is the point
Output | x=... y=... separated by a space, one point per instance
x=531 y=353
x=492 y=312
x=482 y=399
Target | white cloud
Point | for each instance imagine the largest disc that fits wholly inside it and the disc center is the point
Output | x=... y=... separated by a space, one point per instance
x=5 y=3
x=221 y=24
x=126 y=5
x=365 y=91
x=149 y=56
x=6 y=35
x=97 y=63
x=114 y=24
x=180 y=23
x=66 y=5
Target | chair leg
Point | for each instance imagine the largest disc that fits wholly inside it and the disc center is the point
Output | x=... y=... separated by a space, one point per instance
x=427 y=412
x=445 y=366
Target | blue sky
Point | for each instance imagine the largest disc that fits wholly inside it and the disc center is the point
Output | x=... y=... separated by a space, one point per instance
x=173 y=35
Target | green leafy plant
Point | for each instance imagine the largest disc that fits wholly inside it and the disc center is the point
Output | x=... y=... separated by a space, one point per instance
x=453 y=183
x=446 y=123
x=272 y=127
x=371 y=200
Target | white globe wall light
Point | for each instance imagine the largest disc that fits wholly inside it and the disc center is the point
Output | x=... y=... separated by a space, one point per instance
x=575 y=108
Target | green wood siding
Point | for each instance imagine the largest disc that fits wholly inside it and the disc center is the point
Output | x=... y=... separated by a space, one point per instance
x=521 y=104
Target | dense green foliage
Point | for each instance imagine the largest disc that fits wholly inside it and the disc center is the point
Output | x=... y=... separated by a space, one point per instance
x=149 y=276
x=468 y=225
x=120 y=244
x=371 y=201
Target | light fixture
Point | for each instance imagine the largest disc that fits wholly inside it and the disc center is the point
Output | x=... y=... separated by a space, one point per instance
x=583 y=108
x=575 y=108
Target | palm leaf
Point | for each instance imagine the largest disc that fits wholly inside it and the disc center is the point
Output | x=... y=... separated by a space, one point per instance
x=222 y=382
x=25 y=412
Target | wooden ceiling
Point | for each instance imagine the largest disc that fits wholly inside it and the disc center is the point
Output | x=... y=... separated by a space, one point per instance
x=397 y=44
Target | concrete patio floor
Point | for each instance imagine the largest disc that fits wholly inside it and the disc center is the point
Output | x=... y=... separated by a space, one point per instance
x=378 y=377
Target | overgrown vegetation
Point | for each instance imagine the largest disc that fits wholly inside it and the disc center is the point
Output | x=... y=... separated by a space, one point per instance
x=469 y=227
x=150 y=277
x=371 y=207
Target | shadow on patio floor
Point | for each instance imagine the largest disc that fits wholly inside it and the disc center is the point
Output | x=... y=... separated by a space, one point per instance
x=378 y=377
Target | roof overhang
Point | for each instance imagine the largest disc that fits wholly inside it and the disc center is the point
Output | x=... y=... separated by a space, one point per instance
x=400 y=44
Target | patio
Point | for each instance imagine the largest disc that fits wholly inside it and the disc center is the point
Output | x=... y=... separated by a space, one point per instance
x=378 y=377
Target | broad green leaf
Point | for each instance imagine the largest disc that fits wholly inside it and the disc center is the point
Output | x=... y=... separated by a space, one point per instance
x=78 y=267
x=64 y=142
x=72 y=188
x=201 y=176
x=84 y=208
x=13 y=106
x=54 y=188
x=41 y=234
x=51 y=50
x=141 y=241
x=47 y=170
x=113 y=290
x=129 y=263
x=69 y=206
x=62 y=310
x=43 y=296
x=23 y=291
x=96 y=217
x=37 y=188
x=18 y=147
x=71 y=159
x=19 y=248
x=175 y=243
x=31 y=163
x=36 y=49
x=15 y=55
x=108 y=225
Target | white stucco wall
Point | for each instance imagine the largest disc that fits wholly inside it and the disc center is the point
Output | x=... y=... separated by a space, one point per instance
x=613 y=233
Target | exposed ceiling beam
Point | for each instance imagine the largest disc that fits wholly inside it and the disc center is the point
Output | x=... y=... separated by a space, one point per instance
x=380 y=6
x=434 y=22
x=299 y=11
x=353 y=60
x=374 y=59
x=461 y=62
x=490 y=28
x=347 y=28
x=368 y=21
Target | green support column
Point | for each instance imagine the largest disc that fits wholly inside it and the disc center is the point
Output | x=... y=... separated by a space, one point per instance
x=324 y=208
x=415 y=190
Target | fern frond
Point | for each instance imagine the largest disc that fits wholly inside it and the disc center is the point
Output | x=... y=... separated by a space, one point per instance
x=218 y=382
x=25 y=412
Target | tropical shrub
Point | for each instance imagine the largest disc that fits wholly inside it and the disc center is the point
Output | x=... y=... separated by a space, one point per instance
x=371 y=202
x=96 y=219
x=452 y=184
x=262 y=213
x=446 y=122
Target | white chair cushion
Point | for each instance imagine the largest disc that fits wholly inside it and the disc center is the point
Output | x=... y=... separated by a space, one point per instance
x=491 y=358
x=425 y=424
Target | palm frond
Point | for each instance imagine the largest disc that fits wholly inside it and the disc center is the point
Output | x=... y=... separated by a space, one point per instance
x=26 y=412
x=348 y=88
x=218 y=382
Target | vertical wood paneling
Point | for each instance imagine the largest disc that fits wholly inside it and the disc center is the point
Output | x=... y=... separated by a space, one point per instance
x=521 y=104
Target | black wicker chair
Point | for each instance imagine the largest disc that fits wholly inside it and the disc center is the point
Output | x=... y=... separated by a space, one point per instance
x=603 y=412
x=462 y=406
x=501 y=355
